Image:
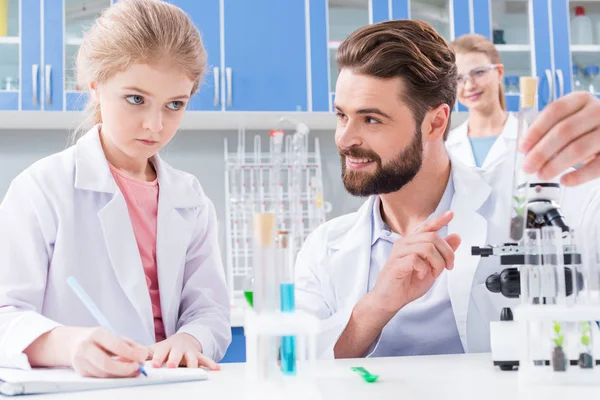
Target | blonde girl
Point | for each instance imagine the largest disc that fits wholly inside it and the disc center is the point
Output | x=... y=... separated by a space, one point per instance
x=138 y=235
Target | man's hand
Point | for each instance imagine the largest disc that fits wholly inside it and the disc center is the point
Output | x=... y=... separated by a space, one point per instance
x=567 y=132
x=414 y=264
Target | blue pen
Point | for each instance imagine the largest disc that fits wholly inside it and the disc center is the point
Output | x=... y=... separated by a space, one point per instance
x=94 y=310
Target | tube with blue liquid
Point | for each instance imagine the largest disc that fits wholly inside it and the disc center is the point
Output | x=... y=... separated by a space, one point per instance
x=287 y=302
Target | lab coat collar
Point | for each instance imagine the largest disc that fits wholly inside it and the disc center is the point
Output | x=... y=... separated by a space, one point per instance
x=458 y=143
x=92 y=173
x=346 y=233
x=461 y=133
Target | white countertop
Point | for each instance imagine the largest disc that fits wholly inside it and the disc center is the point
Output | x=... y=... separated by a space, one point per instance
x=237 y=316
x=456 y=377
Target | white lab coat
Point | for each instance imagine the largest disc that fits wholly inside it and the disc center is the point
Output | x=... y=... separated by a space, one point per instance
x=65 y=216
x=459 y=146
x=332 y=268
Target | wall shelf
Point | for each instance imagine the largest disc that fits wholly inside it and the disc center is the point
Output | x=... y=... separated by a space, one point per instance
x=193 y=120
x=10 y=40
x=513 y=47
x=585 y=48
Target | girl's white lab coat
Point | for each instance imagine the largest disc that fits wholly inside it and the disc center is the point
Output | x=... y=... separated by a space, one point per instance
x=332 y=269
x=459 y=146
x=65 y=216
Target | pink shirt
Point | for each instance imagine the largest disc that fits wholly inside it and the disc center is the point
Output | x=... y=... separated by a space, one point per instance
x=142 y=202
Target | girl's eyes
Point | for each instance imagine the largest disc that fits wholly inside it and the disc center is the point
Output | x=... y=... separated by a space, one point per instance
x=175 y=105
x=135 y=99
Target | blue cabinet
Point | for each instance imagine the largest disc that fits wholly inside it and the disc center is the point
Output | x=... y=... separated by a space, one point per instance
x=573 y=51
x=522 y=34
x=257 y=54
x=20 y=57
x=206 y=15
x=533 y=38
x=449 y=18
x=52 y=56
x=265 y=55
x=274 y=55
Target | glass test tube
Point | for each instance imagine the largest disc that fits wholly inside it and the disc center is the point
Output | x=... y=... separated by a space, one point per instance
x=553 y=270
x=531 y=293
x=287 y=301
x=527 y=112
x=264 y=285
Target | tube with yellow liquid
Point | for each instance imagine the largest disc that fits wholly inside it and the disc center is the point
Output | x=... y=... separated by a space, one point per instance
x=3 y=17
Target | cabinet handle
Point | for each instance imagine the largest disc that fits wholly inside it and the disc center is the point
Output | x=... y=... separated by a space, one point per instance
x=34 y=78
x=216 y=82
x=229 y=90
x=48 y=77
x=561 y=82
x=550 y=86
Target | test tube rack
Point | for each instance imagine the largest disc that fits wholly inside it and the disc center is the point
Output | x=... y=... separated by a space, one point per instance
x=285 y=178
x=544 y=328
x=265 y=381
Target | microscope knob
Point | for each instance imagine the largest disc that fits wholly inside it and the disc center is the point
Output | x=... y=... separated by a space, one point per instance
x=510 y=283
x=506 y=314
x=492 y=283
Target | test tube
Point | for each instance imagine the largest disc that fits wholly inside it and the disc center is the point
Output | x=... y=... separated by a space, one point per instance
x=558 y=356
x=586 y=354
x=531 y=293
x=264 y=285
x=275 y=184
x=530 y=272
x=264 y=263
x=592 y=260
x=527 y=112
x=287 y=300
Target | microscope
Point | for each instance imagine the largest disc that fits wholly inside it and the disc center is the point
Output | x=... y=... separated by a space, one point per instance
x=542 y=210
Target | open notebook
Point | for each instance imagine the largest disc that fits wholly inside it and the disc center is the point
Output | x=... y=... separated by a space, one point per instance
x=15 y=382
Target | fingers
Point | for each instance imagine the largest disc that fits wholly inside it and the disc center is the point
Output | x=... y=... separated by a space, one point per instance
x=551 y=116
x=104 y=365
x=160 y=356
x=87 y=370
x=419 y=266
x=584 y=174
x=190 y=359
x=142 y=349
x=428 y=253
x=580 y=149
x=453 y=241
x=440 y=246
x=436 y=223
x=118 y=347
x=175 y=357
x=566 y=135
x=205 y=361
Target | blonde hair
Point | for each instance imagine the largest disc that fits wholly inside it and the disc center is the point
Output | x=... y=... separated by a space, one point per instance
x=474 y=43
x=137 y=31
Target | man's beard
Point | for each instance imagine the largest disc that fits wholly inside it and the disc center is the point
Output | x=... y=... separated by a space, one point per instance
x=387 y=178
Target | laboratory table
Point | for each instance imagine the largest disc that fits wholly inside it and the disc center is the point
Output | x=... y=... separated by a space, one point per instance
x=449 y=377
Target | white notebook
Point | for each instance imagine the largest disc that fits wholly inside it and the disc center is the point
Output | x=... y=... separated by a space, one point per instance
x=15 y=382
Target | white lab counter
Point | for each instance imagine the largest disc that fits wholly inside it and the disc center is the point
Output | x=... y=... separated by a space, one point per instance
x=457 y=377
x=237 y=315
